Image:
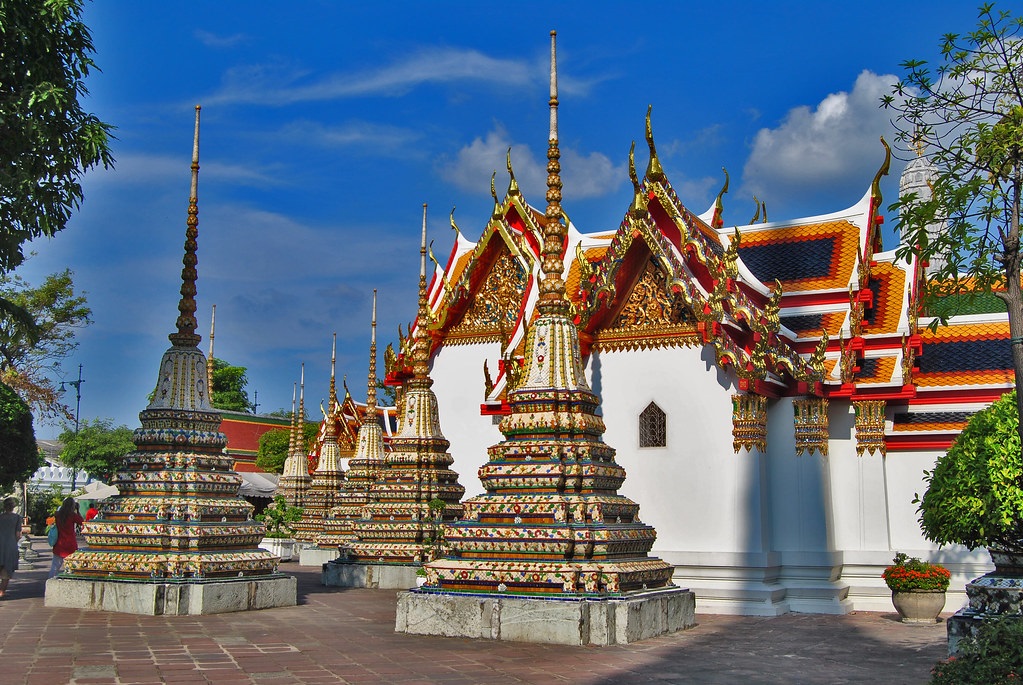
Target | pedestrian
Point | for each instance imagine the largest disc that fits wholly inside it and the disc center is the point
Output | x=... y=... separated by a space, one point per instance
x=10 y=532
x=67 y=521
x=92 y=513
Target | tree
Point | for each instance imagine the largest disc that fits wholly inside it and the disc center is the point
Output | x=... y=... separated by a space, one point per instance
x=49 y=141
x=26 y=356
x=19 y=456
x=229 y=387
x=98 y=448
x=273 y=446
x=967 y=115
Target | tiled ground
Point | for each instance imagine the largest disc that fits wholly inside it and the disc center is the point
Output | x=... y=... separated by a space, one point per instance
x=347 y=636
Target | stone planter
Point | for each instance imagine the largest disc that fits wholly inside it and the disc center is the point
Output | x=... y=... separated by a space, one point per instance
x=919 y=606
x=282 y=547
x=999 y=593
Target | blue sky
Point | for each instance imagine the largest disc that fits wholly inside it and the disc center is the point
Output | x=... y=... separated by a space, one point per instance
x=327 y=125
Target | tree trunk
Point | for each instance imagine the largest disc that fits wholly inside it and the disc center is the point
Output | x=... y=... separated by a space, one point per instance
x=1013 y=296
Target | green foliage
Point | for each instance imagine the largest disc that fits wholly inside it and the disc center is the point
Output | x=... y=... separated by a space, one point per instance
x=43 y=503
x=48 y=140
x=19 y=456
x=994 y=657
x=273 y=446
x=909 y=573
x=98 y=448
x=974 y=495
x=278 y=518
x=229 y=387
x=28 y=354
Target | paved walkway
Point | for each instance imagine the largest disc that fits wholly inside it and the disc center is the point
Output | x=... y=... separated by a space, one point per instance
x=336 y=635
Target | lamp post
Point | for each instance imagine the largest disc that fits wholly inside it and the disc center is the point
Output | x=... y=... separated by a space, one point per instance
x=78 y=407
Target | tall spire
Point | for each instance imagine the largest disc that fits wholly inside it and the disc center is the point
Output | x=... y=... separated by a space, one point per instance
x=186 y=335
x=421 y=349
x=371 y=385
x=552 y=287
x=332 y=393
x=209 y=359
x=291 y=428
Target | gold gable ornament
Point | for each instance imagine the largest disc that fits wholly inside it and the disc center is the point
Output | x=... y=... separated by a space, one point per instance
x=749 y=422
x=810 y=418
x=870 y=426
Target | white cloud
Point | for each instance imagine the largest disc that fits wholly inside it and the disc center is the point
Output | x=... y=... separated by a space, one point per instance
x=284 y=84
x=159 y=170
x=584 y=176
x=212 y=40
x=821 y=150
x=380 y=138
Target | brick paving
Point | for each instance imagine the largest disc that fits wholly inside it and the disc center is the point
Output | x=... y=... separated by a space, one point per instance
x=340 y=635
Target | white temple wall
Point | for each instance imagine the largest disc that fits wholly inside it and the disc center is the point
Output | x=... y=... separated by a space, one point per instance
x=458 y=382
x=696 y=492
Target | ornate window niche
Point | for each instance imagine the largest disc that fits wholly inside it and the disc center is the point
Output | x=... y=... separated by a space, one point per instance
x=653 y=427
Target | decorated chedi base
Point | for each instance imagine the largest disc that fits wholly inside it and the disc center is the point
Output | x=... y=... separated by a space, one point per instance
x=328 y=480
x=362 y=467
x=177 y=539
x=551 y=552
x=415 y=492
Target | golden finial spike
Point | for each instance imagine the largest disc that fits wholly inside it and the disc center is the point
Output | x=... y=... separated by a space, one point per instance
x=421 y=346
x=300 y=417
x=513 y=185
x=371 y=394
x=332 y=393
x=875 y=187
x=209 y=359
x=493 y=194
x=186 y=323
x=763 y=205
x=654 y=171
x=291 y=428
x=719 y=206
x=454 y=226
x=552 y=287
x=756 y=216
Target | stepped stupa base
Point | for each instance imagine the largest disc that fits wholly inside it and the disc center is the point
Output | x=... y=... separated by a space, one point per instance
x=181 y=598
x=567 y=621
x=341 y=573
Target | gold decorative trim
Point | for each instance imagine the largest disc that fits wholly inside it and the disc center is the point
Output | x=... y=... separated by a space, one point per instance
x=749 y=422
x=870 y=416
x=810 y=419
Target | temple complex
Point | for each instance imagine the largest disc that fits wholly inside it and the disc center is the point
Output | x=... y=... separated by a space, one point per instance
x=550 y=552
x=177 y=539
x=774 y=388
x=415 y=492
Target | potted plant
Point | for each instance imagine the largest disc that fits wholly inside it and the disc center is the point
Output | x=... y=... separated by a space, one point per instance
x=918 y=588
x=278 y=518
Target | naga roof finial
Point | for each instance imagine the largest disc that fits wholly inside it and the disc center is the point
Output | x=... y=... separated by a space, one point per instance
x=654 y=171
x=639 y=204
x=454 y=226
x=186 y=323
x=875 y=187
x=513 y=185
x=493 y=193
x=719 y=206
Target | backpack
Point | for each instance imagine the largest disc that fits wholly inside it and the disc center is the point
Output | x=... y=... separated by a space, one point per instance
x=51 y=534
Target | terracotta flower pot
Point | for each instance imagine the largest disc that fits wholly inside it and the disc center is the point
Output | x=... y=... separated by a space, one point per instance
x=919 y=606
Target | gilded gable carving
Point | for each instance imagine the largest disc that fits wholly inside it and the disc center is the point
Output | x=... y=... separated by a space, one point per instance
x=650 y=317
x=496 y=305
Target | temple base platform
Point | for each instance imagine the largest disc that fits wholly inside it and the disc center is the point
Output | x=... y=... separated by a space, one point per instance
x=340 y=573
x=567 y=621
x=317 y=556
x=182 y=598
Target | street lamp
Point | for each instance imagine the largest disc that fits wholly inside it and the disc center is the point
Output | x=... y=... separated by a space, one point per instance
x=78 y=408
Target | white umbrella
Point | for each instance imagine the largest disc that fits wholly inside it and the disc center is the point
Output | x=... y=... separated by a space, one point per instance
x=97 y=490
